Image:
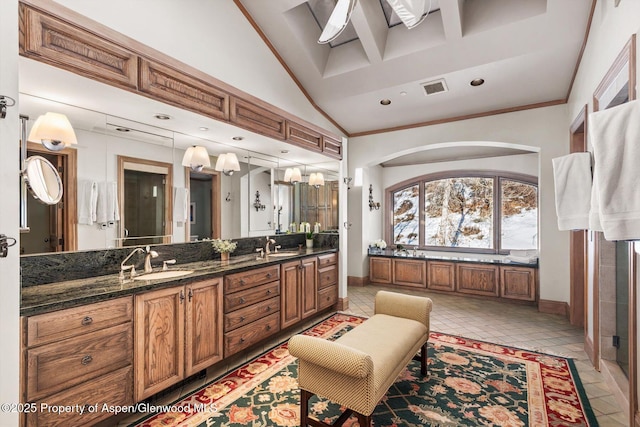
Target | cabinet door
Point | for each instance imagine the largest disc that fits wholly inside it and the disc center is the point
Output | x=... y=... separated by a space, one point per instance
x=309 y=286
x=159 y=341
x=203 y=326
x=518 y=283
x=290 y=307
x=380 y=270
x=440 y=275
x=478 y=279
x=410 y=272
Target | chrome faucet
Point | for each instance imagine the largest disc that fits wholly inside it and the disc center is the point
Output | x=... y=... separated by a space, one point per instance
x=267 y=248
x=131 y=267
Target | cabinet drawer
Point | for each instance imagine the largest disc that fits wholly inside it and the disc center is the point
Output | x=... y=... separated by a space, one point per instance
x=328 y=259
x=250 y=314
x=252 y=333
x=54 y=367
x=114 y=389
x=251 y=296
x=63 y=324
x=327 y=276
x=249 y=279
x=327 y=297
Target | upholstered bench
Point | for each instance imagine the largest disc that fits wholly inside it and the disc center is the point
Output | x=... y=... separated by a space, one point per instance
x=357 y=369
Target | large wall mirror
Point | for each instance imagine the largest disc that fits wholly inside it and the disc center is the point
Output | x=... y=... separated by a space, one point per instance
x=130 y=152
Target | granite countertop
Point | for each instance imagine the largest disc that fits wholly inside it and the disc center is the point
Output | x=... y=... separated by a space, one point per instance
x=463 y=257
x=60 y=295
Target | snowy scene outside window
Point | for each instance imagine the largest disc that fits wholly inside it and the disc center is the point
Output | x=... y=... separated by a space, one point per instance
x=486 y=213
x=459 y=212
x=519 y=215
x=405 y=216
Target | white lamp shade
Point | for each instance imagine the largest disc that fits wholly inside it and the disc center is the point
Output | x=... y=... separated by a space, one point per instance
x=296 y=176
x=410 y=12
x=54 y=131
x=316 y=179
x=287 y=174
x=196 y=158
x=227 y=163
x=337 y=21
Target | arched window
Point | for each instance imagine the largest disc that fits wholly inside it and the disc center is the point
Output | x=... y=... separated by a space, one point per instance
x=464 y=211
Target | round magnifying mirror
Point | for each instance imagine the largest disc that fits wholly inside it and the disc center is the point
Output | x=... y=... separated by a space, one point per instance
x=43 y=180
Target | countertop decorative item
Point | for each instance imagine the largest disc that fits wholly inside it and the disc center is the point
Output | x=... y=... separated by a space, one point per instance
x=224 y=247
x=309 y=236
x=379 y=245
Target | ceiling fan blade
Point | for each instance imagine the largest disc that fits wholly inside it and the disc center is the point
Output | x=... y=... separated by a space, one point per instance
x=410 y=12
x=337 y=21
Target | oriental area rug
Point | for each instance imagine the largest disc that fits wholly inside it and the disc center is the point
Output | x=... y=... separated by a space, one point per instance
x=470 y=383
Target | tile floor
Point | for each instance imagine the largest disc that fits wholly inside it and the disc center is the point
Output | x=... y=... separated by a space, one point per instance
x=498 y=322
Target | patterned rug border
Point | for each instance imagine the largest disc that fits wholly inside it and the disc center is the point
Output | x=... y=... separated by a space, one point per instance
x=588 y=410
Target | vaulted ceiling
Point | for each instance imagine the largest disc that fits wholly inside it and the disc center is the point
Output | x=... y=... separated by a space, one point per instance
x=526 y=51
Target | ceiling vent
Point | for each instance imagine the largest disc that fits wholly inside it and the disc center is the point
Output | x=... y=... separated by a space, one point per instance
x=435 y=86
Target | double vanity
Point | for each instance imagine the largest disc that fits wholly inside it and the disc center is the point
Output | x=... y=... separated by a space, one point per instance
x=118 y=340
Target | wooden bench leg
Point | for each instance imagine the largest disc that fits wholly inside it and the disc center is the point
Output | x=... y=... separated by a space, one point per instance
x=363 y=420
x=304 y=407
x=423 y=360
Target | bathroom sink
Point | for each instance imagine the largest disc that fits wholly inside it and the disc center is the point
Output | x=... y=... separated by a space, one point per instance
x=281 y=254
x=169 y=274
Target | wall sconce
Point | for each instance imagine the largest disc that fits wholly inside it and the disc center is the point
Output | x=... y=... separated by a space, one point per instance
x=347 y=181
x=316 y=179
x=257 y=204
x=54 y=131
x=372 y=205
x=292 y=175
x=196 y=158
x=227 y=164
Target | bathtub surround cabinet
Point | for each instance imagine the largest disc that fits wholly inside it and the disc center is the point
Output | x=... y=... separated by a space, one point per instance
x=503 y=281
x=123 y=350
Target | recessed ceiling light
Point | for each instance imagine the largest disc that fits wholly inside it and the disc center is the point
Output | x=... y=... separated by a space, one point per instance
x=204 y=129
x=476 y=82
x=162 y=116
x=123 y=129
x=238 y=138
x=385 y=101
x=403 y=93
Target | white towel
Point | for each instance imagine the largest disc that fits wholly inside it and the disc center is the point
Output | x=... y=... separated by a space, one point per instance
x=572 y=179
x=87 y=198
x=594 y=213
x=180 y=204
x=615 y=135
x=107 y=206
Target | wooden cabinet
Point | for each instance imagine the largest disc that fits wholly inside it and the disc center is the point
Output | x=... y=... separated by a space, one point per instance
x=251 y=307
x=380 y=270
x=332 y=147
x=163 y=319
x=478 y=279
x=299 y=297
x=257 y=119
x=518 y=283
x=327 y=280
x=441 y=276
x=409 y=272
x=303 y=136
x=78 y=356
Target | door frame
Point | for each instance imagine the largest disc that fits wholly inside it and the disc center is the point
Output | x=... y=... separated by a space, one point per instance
x=216 y=208
x=69 y=220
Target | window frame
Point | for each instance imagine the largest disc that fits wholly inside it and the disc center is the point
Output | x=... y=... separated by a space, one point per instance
x=497 y=176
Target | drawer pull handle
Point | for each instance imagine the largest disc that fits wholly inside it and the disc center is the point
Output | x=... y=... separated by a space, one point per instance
x=242 y=300
x=268 y=275
x=87 y=321
x=268 y=291
x=86 y=360
x=241 y=339
x=268 y=308
x=268 y=327
x=242 y=281
x=242 y=318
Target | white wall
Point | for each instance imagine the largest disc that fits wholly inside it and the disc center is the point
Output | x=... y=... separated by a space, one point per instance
x=542 y=130
x=9 y=195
